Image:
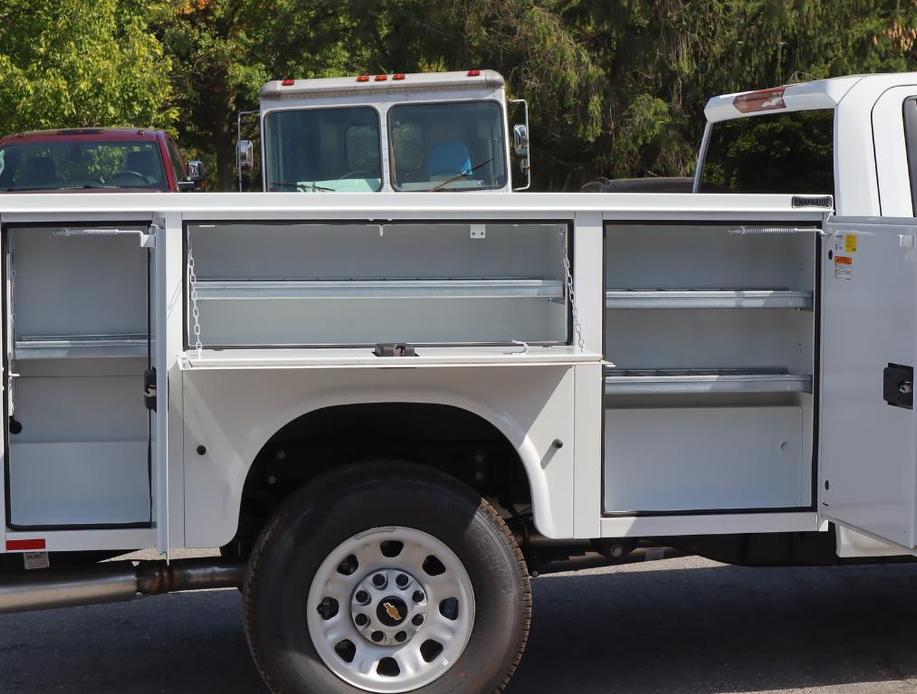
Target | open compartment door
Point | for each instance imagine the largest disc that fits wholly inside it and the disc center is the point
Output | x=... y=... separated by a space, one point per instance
x=868 y=435
x=156 y=380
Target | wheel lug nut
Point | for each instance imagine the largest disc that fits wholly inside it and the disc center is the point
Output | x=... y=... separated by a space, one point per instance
x=418 y=596
x=402 y=580
x=362 y=597
x=418 y=620
x=379 y=580
x=361 y=620
x=377 y=636
x=400 y=636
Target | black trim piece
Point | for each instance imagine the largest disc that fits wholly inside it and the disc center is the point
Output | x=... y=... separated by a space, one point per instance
x=707 y=512
x=909 y=113
x=88 y=526
x=816 y=369
x=186 y=318
x=8 y=331
x=816 y=309
x=149 y=365
x=7 y=350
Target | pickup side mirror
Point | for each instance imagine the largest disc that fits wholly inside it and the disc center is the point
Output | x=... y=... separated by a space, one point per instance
x=196 y=171
x=246 y=154
x=521 y=145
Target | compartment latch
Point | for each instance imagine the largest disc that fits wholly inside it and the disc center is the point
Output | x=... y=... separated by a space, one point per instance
x=149 y=389
x=898 y=385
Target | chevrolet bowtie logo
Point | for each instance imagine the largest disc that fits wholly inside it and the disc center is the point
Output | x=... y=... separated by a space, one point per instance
x=392 y=611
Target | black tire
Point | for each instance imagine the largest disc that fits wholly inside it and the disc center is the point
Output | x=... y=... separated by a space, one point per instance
x=334 y=508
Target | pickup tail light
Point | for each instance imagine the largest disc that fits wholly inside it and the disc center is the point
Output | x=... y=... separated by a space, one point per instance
x=762 y=100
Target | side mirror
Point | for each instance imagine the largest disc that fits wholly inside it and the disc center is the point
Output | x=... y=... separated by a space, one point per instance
x=196 y=170
x=521 y=141
x=246 y=154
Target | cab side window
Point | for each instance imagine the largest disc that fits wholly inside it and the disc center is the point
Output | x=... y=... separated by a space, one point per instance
x=910 y=138
x=178 y=166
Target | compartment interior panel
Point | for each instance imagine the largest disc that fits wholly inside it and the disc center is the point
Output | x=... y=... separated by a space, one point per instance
x=303 y=284
x=79 y=451
x=709 y=405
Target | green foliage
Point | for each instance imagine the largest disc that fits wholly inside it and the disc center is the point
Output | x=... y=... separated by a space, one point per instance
x=68 y=63
x=615 y=88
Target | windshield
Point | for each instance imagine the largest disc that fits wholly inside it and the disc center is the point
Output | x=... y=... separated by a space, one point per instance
x=328 y=149
x=790 y=152
x=447 y=146
x=79 y=164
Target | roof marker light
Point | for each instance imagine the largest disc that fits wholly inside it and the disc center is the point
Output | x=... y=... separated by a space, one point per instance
x=287 y=82
x=473 y=73
x=762 y=100
x=398 y=76
x=381 y=78
x=363 y=78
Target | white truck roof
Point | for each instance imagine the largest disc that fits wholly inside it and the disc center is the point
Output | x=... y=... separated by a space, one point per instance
x=395 y=82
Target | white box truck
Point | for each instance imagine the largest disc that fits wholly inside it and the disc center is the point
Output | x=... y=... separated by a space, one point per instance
x=390 y=410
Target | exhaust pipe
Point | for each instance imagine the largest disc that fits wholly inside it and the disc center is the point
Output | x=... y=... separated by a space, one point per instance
x=112 y=583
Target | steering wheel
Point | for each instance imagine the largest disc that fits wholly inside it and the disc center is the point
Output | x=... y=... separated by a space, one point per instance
x=353 y=174
x=136 y=175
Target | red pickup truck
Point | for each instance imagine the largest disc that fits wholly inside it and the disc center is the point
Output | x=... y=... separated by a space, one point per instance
x=96 y=159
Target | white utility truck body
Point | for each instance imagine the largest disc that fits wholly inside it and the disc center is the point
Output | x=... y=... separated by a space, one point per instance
x=731 y=374
x=405 y=132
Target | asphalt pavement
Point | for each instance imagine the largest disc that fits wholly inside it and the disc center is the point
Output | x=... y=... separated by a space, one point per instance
x=677 y=625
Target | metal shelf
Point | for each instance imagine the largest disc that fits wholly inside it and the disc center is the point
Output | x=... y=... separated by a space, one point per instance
x=707 y=298
x=81 y=347
x=214 y=290
x=692 y=381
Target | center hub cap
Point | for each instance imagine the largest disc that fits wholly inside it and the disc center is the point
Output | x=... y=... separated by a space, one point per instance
x=388 y=606
x=392 y=611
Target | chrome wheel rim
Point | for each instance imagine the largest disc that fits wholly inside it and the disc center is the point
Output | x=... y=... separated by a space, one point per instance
x=390 y=609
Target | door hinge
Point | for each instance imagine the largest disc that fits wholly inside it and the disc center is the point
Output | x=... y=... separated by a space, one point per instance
x=149 y=389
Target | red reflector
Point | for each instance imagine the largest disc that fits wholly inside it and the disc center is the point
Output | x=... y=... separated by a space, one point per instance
x=287 y=83
x=25 y=545
x=398 y=76
x=381 y=78
x=363 y=78
x=473 y=73
x=764 y=100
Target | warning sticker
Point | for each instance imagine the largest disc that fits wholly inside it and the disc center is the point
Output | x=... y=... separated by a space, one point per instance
x=845 y=246
x=843 y=267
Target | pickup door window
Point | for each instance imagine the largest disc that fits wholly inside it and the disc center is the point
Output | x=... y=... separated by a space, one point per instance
x=910 y=136
x=178 y=168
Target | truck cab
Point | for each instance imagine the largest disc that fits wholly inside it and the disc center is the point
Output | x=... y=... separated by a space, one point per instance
x=399 y=132
x=851 y=137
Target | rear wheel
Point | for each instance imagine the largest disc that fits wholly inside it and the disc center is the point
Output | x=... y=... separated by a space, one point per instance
x=392 y=578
